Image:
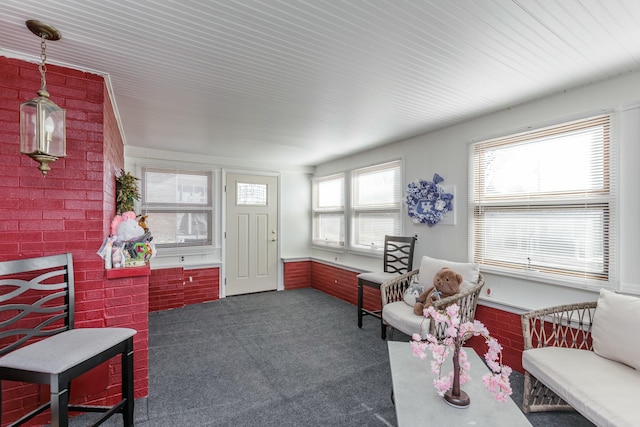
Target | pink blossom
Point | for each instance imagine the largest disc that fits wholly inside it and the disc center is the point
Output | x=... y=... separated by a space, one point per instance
x=442 y=384
x=464 y=376
x=496 y=381
x=452 y=311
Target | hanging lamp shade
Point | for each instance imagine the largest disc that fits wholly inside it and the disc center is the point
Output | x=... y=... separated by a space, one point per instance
x=42 y=130
x=42 y=122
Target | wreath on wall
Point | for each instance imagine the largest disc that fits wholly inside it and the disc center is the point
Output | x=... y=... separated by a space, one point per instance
x=427 y=201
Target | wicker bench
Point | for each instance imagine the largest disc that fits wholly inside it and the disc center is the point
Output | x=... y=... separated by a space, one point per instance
x=584 y=357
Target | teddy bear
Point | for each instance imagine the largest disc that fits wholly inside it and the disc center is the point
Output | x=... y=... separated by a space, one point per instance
x=446 y=283
x=142 y=222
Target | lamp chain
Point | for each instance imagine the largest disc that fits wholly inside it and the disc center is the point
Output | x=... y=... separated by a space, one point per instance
x=43 y=66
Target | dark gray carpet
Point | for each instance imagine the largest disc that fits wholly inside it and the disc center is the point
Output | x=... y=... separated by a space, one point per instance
x=294 y=358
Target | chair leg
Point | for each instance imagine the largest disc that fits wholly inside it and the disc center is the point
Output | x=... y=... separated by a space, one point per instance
x=127 y=385
x=59 y=403
x=360 y=292
x=383 y=333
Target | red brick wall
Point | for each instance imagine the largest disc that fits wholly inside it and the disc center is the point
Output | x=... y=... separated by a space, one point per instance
x=166 y=289
x=176 y=287
x=343 y=284
x=68 y=211
x=201 y=285
x=297 y=275
x=507 y=329
x=113 y=162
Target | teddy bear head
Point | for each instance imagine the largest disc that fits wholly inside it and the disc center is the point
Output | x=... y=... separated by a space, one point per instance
x=447 y=282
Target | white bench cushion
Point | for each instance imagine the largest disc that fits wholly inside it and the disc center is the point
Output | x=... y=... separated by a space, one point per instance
x=400 y=316
x=62 y=351
x=604 y=391
x=615 y=328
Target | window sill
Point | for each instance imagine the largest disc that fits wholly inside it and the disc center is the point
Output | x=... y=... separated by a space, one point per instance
x=534 y=276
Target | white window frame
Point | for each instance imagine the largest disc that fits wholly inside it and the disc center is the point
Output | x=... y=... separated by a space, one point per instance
x=319 y=210
x=350 y=210
x=590 y=205
x=390 y=209
x=208 y=208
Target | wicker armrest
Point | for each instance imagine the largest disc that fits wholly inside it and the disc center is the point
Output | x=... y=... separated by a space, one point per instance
x=559 y=326
x=393 y=290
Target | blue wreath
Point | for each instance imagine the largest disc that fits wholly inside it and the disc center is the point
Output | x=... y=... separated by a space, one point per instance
x=427 y=202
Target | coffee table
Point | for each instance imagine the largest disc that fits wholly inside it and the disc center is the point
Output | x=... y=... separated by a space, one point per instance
x=418 y=404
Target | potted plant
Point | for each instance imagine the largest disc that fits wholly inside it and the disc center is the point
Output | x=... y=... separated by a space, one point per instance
x=127 y=192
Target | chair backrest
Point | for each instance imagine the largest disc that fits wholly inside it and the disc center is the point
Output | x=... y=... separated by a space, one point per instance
x=398 y=254
x=36 y=299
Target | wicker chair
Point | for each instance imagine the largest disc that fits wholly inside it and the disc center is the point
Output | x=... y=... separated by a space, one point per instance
x=393 y=291
x=566 y=326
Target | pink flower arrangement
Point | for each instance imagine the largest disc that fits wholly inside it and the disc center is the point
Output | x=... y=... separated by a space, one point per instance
x=496 y=381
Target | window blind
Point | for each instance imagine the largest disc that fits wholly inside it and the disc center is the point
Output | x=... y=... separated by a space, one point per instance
x=543 y=202
x=328 y=210
x=376 y=204
x=180 y=207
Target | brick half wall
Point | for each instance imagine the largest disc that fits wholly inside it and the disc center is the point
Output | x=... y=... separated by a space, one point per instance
x=177 y=287
x=297 y=275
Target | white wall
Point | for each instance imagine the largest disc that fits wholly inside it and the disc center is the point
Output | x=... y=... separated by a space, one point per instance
x=295 y=217
x=446 y=152
x=295 y=200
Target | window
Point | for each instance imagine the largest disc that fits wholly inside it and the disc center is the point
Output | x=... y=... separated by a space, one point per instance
x=328 y=210
x=251 y=194
x=179 y=205
x=543 y=203
x=376 y=205
x=369 y=211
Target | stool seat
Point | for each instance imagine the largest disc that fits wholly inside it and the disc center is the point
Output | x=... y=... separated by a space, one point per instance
x=376 y=277
x=65 y=350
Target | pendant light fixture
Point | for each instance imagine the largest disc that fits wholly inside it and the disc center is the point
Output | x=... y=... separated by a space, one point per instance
x=42 y=122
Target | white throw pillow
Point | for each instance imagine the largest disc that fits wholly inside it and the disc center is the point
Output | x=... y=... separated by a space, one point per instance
x=412 y=293
x=615 y=328
x=430 y=266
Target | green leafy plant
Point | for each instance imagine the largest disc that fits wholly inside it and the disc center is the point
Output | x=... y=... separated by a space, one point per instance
x=127 y=192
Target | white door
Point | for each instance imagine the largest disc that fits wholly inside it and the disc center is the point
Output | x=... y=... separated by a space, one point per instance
x=251 y=247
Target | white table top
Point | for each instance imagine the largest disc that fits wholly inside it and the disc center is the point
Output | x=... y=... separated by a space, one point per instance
x=418 y=403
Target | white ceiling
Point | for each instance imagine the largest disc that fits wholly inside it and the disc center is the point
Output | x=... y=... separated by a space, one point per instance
x=303 y=82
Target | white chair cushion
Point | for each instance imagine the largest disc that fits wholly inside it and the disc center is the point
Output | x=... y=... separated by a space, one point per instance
x=62 y=351
x=615 y=326
x=604 y=391
x=378 y=277
x=400 y=316
x=430 y=266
